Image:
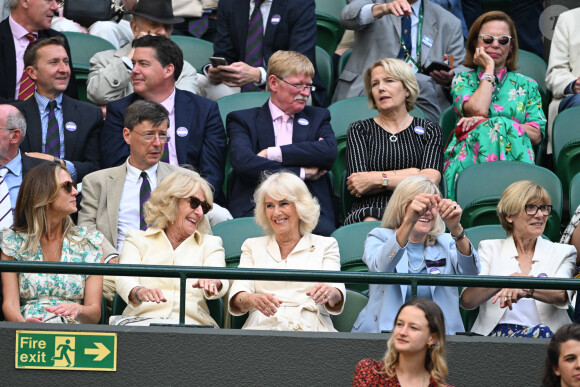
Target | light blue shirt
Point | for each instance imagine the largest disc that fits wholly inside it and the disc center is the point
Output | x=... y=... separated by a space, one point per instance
x=42 y=102
x=13 y=178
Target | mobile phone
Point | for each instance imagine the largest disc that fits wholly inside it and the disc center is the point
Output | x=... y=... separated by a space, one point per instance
x=436 y=66
x=218 y=61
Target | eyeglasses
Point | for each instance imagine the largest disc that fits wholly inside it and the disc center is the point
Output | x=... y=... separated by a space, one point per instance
x=163 y=138
x=195 y=202
x=68 y=186
x=503 y=40
x=532 y=209
x=300 y=87
x=9 y=128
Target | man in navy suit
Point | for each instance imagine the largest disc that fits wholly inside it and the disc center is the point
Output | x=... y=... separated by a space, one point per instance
x=284 y=134
x=26 y=17
x=72 y=137
x=196 y=131
x=287 y=25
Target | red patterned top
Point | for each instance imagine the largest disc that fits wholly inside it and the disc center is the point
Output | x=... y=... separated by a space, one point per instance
x=367 y=371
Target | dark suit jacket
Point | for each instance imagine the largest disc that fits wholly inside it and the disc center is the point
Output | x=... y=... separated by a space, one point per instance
x=8 y=74
x=81 y=147
x=296 y=31
x=203 y=147
x=251 y=131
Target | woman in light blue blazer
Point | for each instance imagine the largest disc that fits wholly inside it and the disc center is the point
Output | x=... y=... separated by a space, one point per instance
x=411 y=240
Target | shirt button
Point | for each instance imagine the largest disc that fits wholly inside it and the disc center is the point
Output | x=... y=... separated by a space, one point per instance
x=115 y=82
x=383 y=293
x=375 y=317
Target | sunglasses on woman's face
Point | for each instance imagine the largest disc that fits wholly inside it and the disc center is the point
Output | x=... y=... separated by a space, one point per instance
x=503 y=40
x=195 y=202
x=68 y=186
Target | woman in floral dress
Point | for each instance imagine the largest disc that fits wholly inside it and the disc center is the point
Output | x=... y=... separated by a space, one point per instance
x=44 y=232
x=500 y=111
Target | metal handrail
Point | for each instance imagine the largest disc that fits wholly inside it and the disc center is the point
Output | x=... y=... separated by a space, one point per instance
x=185 y=272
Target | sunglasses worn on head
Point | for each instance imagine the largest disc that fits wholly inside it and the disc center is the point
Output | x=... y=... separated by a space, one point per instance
x=195 y=202
x=503 y=40
x=68 y=186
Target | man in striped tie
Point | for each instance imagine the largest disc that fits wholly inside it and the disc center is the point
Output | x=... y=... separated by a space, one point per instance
x=248 y=33
x=59 y=128
x=29 y=20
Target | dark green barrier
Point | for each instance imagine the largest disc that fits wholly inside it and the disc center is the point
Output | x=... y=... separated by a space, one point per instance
x=185 y=272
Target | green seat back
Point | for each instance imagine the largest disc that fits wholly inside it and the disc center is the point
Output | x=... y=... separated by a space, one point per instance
x=83 y=47
x=574 y=197
x=346 y=199
x=484 y=232
x=325 y=69
x=479 y=187
x=447 y=121
x=353 y=305
x=241 y=101
x=195 y=51
x=566 y=145
x=328 y=33
x=216 y=308
x=531 y=65
x=330 y=8
x=233 y=233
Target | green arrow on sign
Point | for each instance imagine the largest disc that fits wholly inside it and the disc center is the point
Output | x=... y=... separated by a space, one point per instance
x=101 y=351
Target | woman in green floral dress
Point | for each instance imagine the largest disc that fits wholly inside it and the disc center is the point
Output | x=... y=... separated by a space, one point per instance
x=44 y=232
x=500 y=111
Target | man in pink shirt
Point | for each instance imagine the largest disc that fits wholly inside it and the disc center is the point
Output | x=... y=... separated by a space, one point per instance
x=29 y=20
x=283 y=134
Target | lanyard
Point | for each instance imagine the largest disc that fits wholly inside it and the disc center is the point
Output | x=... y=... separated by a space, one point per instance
x=418 y=44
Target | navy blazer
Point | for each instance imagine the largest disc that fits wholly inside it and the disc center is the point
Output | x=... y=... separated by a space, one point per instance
x=81 y=146
x=203 y=146
x=295 y=31
x=251 y=131
x=8 y=62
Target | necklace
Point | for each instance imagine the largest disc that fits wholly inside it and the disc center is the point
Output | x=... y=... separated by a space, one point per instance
x=393 y=137
x=421 y=264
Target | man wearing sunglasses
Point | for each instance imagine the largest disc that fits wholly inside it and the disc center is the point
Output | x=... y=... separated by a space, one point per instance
x=416 y=31
x=145 y=132
x=284 y=134
x=29 y=20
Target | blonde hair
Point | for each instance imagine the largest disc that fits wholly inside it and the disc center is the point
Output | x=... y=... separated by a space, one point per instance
x=287 y=186
x=514 y=199
x=402 y=196
x=436 y=357
x=40 y=187
x=286 y=63
x=398 y=70
x=161 y=208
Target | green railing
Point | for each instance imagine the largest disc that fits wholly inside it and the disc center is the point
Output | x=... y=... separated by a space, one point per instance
x=185 y=272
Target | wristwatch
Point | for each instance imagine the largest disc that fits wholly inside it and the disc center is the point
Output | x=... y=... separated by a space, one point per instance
x=385 y=180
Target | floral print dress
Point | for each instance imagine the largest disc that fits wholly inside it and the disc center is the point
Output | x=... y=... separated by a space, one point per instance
x=515 y=100
x=39 y=290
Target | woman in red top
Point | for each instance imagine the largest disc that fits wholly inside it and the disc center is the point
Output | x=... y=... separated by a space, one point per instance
x=415 y=352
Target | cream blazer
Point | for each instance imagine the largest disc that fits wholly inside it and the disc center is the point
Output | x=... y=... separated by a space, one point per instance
x=152 y=247
x=298 y=311
x=551 y=260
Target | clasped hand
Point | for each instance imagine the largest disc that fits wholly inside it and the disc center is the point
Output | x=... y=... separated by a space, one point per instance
x=508 y=296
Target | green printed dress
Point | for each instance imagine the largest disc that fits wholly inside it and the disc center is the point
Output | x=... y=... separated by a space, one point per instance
x=515 y=101
x=40 y=290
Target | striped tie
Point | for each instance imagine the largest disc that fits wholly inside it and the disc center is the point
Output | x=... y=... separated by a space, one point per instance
x=5 y=205
x=254 y=42
x=198 y=27
x=165 y=154
x=144 y=194
x=26 y=83
x=52 y=144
